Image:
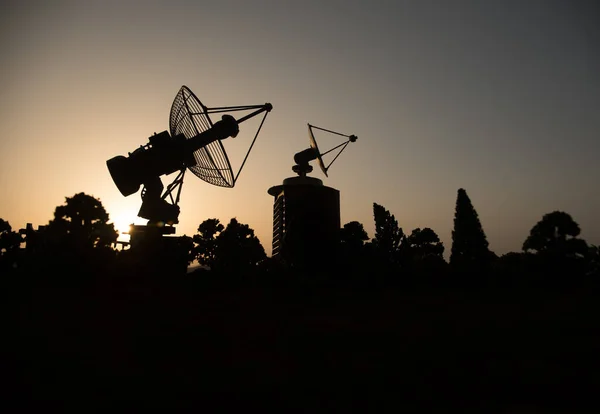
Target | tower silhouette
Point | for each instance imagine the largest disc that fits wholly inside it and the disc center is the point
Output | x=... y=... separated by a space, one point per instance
x=306 y=213
x=306 y=221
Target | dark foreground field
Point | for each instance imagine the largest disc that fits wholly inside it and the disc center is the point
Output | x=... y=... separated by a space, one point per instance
x=123 y=345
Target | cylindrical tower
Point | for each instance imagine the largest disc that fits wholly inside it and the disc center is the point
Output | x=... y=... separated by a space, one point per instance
x=306 y=222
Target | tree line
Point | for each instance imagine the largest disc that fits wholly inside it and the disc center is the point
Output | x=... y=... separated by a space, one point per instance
x=80 y=237
x=553 y=252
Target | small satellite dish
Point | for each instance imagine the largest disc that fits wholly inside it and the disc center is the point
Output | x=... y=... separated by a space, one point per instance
x=303 y=158
x=194 y=143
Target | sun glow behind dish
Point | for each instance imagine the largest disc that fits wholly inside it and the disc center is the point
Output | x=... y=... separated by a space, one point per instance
x=122 y=222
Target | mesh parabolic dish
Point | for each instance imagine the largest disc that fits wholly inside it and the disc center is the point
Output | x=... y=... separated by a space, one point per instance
x=190 y=118
x=313 y=145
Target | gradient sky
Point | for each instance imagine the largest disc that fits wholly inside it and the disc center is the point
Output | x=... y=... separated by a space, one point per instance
x=501 y=98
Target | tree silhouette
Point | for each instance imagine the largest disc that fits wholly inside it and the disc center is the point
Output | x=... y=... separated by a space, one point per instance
x=387 y=234
x=424 y=243
x=234 y=249
x=421 y=255
x=353 y=235
x=353 y=259
x=206 y=241
x=176 y=254
x=10 y=243
x=470 y=250
x=556 y=235
x=186 y=249
x=593 y=266
x=238 y=249
x=82 y=223
x=4 y=226
x=9 y=240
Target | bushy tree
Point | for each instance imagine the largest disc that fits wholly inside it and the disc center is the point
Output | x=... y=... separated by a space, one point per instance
x=9 y=240
x=353 y=235
x=470 y=250
x=353 y=258
x=559 y=255
x=10 y=243
x=233 y=249
x=556 y=235
x=593 y=265
x=421 y=256
x=238 y=249
x=186 y=249
x=423 y=243
x=4 y=226
x=206 y=241
x=175 y=255
x=82 y=223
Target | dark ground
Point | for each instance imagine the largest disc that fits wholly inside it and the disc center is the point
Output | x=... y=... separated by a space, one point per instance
x=124 y=344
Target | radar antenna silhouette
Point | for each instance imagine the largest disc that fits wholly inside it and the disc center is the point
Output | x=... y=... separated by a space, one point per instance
x=194 y=144
x=303 y=158
x=306 y=213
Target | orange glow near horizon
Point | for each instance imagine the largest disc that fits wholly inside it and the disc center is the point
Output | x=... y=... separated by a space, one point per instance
x=438 y=101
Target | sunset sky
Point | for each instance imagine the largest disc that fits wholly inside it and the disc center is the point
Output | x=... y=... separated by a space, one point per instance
x=499 y=98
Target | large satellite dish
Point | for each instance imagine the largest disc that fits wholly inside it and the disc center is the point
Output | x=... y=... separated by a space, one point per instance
x=194 y=143
x=303 y=158
x=190 y=117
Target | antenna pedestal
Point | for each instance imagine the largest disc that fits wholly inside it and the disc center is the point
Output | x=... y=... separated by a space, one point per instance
x=144 y=235
x=153 y=252
x=310 y=181
x=302 y=169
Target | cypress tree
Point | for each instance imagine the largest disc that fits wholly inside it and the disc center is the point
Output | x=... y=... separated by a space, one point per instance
x=388 y=234
x=469 y=244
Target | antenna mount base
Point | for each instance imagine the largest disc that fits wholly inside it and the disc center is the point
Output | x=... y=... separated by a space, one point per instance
x=302 y=169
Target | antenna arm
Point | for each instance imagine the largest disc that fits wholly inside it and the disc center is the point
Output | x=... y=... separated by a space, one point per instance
x=225 y=128
x=345 y=144
x=265 y=108
x=253 y=141
x=352 y=137
x=334 y=148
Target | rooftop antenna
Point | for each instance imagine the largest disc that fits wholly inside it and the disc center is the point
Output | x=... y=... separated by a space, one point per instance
x=306 y=213
x=303 y=158
x=194 y=144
